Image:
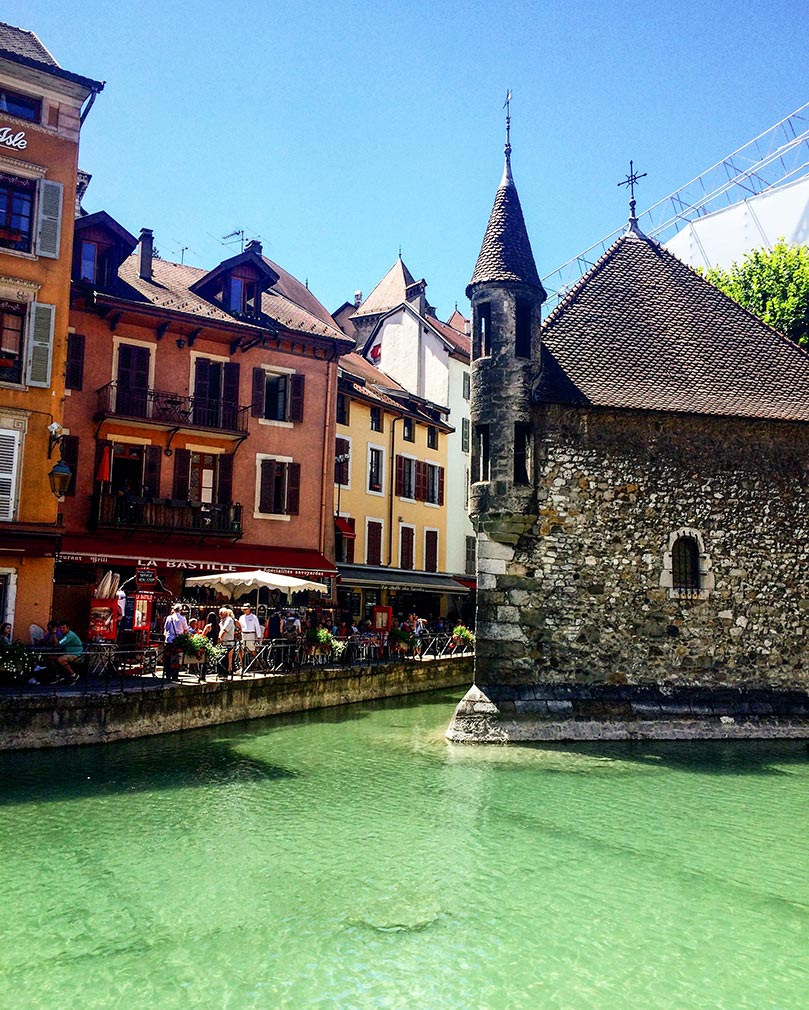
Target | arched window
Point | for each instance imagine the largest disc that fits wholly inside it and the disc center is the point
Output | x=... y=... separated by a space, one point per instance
x=685 y=565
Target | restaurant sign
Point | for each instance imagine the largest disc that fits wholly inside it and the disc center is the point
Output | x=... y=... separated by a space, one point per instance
x=107 y=559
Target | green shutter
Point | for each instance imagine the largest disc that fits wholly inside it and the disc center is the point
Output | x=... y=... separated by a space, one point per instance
x=40 y=344
x=50 y=219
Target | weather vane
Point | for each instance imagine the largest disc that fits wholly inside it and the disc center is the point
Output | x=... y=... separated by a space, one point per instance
x=630 y=181
x=507 y=107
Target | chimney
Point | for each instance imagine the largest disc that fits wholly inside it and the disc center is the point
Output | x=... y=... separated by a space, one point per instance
x=253 y=246
x=146 y=252
x=357 y=299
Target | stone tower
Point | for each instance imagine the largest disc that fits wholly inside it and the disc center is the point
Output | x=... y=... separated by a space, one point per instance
x=507 y=296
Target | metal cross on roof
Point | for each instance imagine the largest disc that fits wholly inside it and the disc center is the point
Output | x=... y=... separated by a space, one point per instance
x=630 y=181
x=507 y=107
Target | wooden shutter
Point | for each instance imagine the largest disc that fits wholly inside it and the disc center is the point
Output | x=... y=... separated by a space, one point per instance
x=350 y=541
x=431 y=551
x=259 y=392
x=50 y=219
x=407 y=537
x=9 y=452
x=74 y=369
x=151 y=470
x=40 y=344
x=341 y=470
x=296 y=383
x=293 y=488
x=224 y=490
x=265 y=495
x=373 y=547
x=182 y=474
x=440 y=485
x=421 y=481
x=230 y=394
x=69 y=449
x=399 y=476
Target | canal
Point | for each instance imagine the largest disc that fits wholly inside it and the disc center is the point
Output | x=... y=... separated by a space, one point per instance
x=350 y=858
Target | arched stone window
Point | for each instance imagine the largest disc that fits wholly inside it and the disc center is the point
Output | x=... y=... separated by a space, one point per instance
x=687 y=567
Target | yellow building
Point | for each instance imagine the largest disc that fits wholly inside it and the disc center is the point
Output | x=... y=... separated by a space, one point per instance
x=390 y=498
x=40 y=121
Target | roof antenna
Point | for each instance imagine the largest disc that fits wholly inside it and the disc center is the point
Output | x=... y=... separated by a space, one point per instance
x=630 y=181
x=236 y=233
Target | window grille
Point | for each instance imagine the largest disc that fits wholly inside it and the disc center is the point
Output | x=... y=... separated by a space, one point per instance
x=685 y=565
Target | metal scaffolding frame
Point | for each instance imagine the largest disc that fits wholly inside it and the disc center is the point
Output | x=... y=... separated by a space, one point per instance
x=777 y=156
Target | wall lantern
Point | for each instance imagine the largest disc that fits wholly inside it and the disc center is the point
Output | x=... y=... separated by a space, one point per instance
x=59 y=479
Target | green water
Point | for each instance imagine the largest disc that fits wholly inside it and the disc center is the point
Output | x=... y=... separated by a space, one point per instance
x=351 y=859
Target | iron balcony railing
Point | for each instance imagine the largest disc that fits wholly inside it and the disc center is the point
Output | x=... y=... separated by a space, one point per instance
x=167 y=515
x=165 y=407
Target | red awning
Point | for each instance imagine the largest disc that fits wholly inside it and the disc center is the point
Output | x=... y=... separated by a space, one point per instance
x=104 y=549
x=343 y=526
x=469 y=583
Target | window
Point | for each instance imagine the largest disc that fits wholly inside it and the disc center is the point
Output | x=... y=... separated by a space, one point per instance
x=375 y=458
x=685 y=564
x=522 y=331
x=467 y=385
x=407 y=538
x=432 y=437
x=342 y=462
x=434 y=481
x=523 y=462
x=464 y=434
x=345 y=539
x=203 y=477
x=16 y=212
x=471 y=555
x=343 y=408
x=244 y=295
x=408 y=430
x=431 y=550
x=20 y=106
x=405 y=477
x=26 y=334
x=216 y=393
x=483 y=330
x=373 y=542
x=481 y=463
x=10 y=449
x=376 y=419
x=279 y=487
x=277 y=396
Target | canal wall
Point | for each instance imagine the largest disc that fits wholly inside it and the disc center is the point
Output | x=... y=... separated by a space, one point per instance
x=32 y=721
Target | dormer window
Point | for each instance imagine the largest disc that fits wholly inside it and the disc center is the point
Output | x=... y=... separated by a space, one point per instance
x=100 y=246
x=243 y=295
x=21 y=106
x=238 y=283
x=94 y=263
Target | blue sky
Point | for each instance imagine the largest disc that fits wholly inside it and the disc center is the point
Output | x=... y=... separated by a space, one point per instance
x=338 y=132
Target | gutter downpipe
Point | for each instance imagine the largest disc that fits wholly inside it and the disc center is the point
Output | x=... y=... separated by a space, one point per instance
x=392 y=487
x=327 y=497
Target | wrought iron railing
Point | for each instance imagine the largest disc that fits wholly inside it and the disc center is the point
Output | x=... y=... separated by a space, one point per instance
x=167 y=515
x=166 y=407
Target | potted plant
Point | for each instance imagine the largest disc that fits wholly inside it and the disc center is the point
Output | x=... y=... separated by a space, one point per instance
x=400 y=640
x=319 y=641
x=16 y=662
x=462 y=636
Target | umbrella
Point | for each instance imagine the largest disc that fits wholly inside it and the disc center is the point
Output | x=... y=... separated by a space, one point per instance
x=104 y=471
x=232 y=584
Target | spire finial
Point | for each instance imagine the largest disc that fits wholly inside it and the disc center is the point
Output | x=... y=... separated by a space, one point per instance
x=400 y=250
x=507 y=107
x=630 y=181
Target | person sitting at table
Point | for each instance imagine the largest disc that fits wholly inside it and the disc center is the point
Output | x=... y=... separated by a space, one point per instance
x=71 y=651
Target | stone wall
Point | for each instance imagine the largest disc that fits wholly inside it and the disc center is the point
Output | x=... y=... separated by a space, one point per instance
x=64 y=720
x=580 y=593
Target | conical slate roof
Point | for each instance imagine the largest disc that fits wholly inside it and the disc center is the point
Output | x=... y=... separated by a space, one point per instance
x=506 y=251
x=643 y=331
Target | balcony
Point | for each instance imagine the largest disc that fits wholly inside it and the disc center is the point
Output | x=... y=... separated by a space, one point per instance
x=166 y=515
x=170 y=410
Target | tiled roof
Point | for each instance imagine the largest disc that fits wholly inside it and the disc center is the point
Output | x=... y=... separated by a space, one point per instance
x=389 y=292
x=288 y=303
x=21 y=42
x=382 y=389
x=642 y=330
x=505 y=254
x=459 y=341
x=458 y=321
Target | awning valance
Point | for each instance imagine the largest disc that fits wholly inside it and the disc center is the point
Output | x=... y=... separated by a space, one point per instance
x=398 y=578
x=343 y=527
x=196 y=558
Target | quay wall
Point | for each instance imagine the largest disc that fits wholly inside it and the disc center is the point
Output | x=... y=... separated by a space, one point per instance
x=34 y=721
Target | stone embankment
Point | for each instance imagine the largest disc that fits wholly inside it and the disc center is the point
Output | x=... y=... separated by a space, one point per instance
x=60 y=720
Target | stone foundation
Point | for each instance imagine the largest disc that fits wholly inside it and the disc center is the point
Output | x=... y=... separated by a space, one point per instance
x=543 y=712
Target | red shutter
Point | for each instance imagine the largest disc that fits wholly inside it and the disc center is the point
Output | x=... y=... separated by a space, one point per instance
x=69 y=450
x=373 y=548
x=440 y=485
x=259 y=389
x=407 y=538
x=293 y=488
x=296 y=384
x=431 y=551
x=265 y=495
x=421 y=480
x=399 y=475
x=349 y=542
x=182 y=474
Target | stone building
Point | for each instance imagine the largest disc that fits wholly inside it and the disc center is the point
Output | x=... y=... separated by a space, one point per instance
x=640 y=471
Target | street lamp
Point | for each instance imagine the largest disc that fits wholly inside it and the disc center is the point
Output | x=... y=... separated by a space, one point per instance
x=59 y=479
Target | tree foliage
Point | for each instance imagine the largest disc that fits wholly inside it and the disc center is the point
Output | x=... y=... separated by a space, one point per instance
x=773 y=284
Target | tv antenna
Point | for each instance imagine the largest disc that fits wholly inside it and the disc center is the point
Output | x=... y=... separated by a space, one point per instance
x=237 y=233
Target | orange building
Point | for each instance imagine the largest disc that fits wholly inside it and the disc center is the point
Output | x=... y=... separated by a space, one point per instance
x=42 y=107
x=199 y=414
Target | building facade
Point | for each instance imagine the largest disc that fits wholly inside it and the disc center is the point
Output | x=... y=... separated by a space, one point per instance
x=42 y=107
